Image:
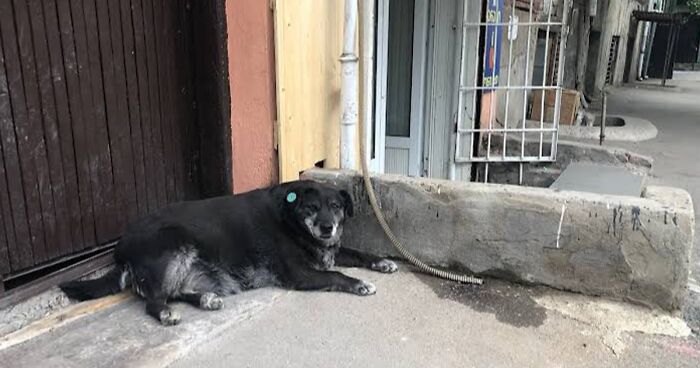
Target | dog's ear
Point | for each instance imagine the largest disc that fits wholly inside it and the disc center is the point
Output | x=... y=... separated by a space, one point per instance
x=347 y=203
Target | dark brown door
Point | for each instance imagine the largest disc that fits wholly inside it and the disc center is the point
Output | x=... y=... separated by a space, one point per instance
x=96 y=122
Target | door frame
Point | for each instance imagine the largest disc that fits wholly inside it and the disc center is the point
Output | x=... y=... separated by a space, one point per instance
x=414 y=143
x=378 y=123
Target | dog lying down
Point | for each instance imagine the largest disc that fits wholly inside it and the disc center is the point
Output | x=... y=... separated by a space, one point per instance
x=198 y=251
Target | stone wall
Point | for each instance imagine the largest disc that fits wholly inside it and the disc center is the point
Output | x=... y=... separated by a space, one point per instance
x=636 y=249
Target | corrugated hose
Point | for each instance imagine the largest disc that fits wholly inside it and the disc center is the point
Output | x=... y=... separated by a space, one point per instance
x=422 y=266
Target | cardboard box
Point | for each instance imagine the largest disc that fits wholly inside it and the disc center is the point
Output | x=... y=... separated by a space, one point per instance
x=570 y=102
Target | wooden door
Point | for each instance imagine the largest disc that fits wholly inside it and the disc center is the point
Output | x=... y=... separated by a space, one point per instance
x=96 y=115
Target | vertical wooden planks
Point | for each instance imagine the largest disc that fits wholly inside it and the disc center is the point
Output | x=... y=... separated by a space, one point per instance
x=29 y=185
x=172 y=93
x=34 y=145
x=182 y=99
x=186 y=134
x=150 y=162
x=150 y=29
x=134 y=105
x=123 y=122
x=6 y=232
x=7 y=228
x=71 y=200
x=14 y=210
x=74 y=49
x=59 y=241
x=181 y=104
x=165 y=87
x=86 y=134
x=97 y=121
x=100 y=157
x=117 y=119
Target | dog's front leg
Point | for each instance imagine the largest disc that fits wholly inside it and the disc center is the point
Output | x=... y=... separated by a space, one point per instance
x=347 y=257
x=330 y=281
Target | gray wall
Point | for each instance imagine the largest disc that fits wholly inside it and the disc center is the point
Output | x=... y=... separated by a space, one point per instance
x=614 y=19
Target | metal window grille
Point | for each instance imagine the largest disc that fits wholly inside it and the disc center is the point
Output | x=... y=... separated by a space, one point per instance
x=540 y=16
x=612 y=59
x=553 y=71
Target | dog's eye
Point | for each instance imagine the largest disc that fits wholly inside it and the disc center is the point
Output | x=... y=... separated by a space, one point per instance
x=312 y=208
x=335 y=205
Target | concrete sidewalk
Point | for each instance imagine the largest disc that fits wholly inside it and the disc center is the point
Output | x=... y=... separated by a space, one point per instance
x=412 y=321
x=418 y=321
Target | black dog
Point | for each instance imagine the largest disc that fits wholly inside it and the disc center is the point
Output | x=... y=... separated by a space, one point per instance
x=287 y=235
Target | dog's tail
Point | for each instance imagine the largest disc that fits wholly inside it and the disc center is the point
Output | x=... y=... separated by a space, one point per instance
x=110 y=283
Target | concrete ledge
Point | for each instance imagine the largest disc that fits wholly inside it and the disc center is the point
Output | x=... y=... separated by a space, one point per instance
x=635 y=129
x=544 y=174
x=636 y=249
x=569 y=151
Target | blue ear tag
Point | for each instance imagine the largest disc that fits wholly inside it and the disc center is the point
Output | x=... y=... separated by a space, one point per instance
x=291 y=197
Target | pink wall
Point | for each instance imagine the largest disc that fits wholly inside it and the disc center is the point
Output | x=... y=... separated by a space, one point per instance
x=251 y=56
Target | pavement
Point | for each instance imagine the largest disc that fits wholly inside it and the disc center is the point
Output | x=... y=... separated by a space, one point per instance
x=413 y=320
x=419 y=321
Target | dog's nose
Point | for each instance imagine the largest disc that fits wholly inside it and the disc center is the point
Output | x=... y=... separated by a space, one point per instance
x=326 y=228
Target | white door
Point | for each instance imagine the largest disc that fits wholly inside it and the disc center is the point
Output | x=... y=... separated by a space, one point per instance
x=401 y=61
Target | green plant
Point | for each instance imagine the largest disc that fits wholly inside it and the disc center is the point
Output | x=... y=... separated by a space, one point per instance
x=694 y=6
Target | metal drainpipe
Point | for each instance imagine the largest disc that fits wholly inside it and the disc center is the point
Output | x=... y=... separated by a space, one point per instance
x=348 y=92
x=604 y=116
x=668 y=61
x=644 y=44
x=593 y=8
x=367 y=22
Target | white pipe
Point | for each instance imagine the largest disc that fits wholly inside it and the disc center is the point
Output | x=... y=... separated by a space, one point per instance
x=593 y=8
x=645 y=40
x=367 y=22
x=643 y=51
x=348 y=92
x=650 y=41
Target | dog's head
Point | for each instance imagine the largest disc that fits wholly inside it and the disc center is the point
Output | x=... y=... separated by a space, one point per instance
x=317 y=209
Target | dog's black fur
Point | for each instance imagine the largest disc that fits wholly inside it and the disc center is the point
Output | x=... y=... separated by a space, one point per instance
x=198 y=251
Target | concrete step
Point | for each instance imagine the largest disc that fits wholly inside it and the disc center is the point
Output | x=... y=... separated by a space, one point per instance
x=116 y=332
x=593 y=178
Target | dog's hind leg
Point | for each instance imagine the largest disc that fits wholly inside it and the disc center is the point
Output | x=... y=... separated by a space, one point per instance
x=157 y=307
x=204 y=286
x=206 y=301
x=149 y=283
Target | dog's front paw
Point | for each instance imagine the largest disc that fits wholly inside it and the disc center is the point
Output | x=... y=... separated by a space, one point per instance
x=169 y=317
x=385 y=266
x=364 y=288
